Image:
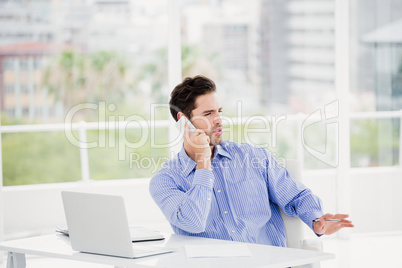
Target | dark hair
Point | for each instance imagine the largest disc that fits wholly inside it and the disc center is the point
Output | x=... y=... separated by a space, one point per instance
x=184 y=95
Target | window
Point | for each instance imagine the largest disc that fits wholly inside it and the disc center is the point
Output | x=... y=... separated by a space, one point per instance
x=10 y=112
x=24 y=64
x=24 y=89
x=114 y=76
x=25 y=111
x=376 y=81
x=269 y=58
x=9 y=89
x=7 y=64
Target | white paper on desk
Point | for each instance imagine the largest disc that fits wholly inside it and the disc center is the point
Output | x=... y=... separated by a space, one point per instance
x=205 y=251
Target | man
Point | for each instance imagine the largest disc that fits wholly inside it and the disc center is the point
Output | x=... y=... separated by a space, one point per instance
x=224 y=190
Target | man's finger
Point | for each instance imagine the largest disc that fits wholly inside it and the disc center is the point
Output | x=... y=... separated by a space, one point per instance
x=341 y=216
x=345 y=223
x=348 y=225
x=327 y=216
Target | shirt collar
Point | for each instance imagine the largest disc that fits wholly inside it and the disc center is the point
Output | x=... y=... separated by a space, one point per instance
x=221 y=149
x=189 y=164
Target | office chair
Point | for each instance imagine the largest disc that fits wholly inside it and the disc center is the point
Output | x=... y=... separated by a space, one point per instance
x=293 y=225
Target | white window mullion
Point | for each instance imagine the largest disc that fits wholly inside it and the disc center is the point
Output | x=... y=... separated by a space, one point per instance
x=1 y=191
x=342 y=84
x=174 y=61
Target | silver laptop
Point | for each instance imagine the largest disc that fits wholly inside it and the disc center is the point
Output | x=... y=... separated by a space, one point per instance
x=98 y=224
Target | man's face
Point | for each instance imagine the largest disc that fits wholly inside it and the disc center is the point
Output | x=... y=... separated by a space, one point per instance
x=207 y=117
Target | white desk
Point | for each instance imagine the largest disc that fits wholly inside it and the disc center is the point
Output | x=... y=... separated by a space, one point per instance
x=58 y=246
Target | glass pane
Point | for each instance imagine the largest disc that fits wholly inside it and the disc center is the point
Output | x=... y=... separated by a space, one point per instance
x=374 y=142
x=376 y=55
x=320 y=145
x=376 y=80
x=267 y=57
x=277 y=135
x=34 y=158
x=71 y=61
x=127 y=154
x=285 y=142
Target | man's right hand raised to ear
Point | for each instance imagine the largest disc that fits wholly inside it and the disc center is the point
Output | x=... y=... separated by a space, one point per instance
x=197 y=147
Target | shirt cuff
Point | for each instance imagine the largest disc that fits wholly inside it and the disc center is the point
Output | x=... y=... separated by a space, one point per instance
x=204 y=177
x=313 y=215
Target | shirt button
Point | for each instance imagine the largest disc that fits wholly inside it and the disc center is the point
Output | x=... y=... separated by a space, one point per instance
x=209 y=199
x=219 y=191
x=210 y=180
x=233 y=231
x=225 y=212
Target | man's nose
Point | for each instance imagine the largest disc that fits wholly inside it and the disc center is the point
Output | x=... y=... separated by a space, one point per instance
x=218 y=119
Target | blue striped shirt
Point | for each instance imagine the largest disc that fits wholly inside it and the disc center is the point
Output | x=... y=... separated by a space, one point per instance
x=238 y=200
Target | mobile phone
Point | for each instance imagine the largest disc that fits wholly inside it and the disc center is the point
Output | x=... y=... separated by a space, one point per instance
x=180 y=124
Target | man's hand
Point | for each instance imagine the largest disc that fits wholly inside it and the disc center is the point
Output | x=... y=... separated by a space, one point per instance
x=330 y=227
x=199 y=145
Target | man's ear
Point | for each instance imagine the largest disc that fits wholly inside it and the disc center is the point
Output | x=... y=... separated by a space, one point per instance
x=179 y=115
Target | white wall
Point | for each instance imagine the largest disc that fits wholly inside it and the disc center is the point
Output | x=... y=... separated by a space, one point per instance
x=38 y=209
x=376 y=197
x=377 y=200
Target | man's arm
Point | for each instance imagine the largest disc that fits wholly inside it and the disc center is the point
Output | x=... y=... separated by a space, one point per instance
x=293 y=198
x=187 y=210
x=297 y=200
